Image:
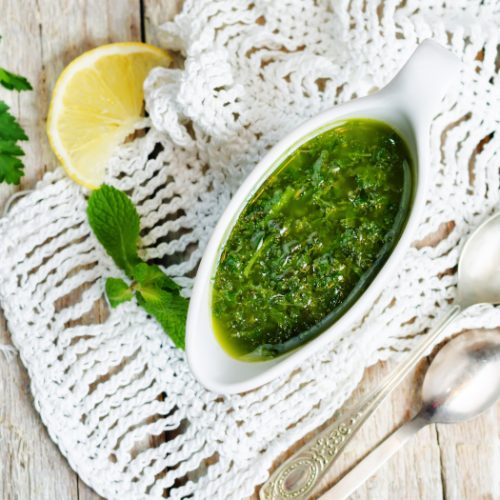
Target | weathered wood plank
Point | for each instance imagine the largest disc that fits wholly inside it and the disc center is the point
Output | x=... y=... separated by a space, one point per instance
x=157 y=12
x=28 y=458
x=39 y=39
x=470 y=457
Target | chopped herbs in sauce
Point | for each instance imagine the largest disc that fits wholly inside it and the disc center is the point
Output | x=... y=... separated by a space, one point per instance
x=311 y=239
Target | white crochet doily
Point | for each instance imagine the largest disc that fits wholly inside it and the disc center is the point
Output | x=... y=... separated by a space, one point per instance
x=115 y=395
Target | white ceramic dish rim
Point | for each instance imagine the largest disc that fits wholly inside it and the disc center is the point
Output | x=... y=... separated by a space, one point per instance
x=406 y=104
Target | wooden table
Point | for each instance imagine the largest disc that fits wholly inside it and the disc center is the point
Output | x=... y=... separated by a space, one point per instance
x=39 y=37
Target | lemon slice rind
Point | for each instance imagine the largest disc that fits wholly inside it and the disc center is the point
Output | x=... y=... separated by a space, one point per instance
x=112 y=125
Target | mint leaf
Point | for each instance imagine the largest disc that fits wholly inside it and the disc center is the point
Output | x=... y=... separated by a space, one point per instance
x=11 y=81
x=159 y=295
x=149 y=275
x=169 y=309
x=118 y=291
x=115 y=222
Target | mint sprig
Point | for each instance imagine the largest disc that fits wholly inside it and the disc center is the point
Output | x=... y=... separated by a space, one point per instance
x=115 y=223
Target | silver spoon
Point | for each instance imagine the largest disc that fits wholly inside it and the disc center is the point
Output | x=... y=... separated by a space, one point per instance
x=462 y=382
x=478 y=282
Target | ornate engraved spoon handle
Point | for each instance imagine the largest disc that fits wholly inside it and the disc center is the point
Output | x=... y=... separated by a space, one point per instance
x=297 y=476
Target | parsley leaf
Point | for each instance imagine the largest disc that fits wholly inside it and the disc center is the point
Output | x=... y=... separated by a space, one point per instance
x=11 y=167
x=115 y=222
x=118 y=291
x=11 y=81
x=9 y=128
x=10 y=148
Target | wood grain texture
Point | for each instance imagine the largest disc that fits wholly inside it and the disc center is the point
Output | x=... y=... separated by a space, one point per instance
x=39 y=39
x=155 y=13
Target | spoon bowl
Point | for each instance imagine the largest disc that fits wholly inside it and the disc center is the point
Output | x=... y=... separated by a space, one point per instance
x=479 y=266
x=463 y=379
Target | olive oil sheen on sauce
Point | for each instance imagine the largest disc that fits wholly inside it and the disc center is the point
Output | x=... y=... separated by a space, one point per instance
x=311 y=239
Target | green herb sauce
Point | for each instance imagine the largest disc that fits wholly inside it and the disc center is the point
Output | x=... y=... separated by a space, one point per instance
x=311 y=239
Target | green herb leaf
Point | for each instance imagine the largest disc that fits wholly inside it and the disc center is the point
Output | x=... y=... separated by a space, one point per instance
x=11 y=81
x=8 y=147
x=115 y=222
x=118 y=291
x=149 y=275
x=9 y=128
x=11 y=167
x=169 y=309
x=159 y=295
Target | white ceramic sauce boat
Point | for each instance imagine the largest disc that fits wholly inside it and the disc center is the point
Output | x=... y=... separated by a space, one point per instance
x=407 y=104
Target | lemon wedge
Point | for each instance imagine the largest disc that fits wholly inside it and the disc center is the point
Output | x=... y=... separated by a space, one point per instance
x=95 y=105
